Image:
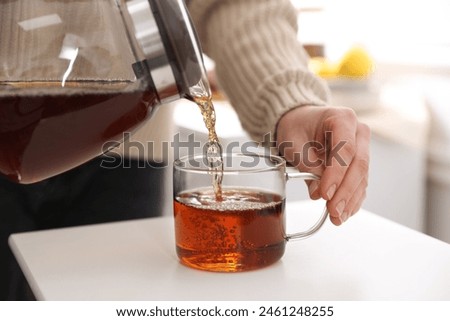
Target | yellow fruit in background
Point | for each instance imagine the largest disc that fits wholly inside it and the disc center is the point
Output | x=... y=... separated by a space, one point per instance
x=356 y=63
x=323 y=67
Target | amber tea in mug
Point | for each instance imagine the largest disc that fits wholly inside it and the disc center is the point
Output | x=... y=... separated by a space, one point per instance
x=243 y=230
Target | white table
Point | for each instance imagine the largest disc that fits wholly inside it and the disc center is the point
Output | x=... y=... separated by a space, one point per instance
x=368 y=258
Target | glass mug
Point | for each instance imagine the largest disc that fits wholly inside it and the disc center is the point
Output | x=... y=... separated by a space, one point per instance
x=246 y=229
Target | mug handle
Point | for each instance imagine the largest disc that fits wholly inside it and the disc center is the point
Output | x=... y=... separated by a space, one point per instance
x=302 y=235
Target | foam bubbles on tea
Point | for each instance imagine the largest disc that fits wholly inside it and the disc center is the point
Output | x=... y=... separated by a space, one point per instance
x=233 y=200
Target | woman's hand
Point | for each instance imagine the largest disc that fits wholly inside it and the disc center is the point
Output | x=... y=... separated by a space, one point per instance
x=332 y=143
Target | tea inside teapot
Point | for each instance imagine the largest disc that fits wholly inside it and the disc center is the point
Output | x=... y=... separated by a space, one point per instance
x=76 y=75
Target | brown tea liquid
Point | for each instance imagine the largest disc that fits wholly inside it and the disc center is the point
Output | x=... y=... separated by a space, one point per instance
x=46 y=129
x=214 y=148
x=243 y=231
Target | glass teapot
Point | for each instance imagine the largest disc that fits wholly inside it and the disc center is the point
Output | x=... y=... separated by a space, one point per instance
x=76 y=74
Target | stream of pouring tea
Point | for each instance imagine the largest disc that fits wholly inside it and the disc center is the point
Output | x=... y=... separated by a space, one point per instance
x=214 y=149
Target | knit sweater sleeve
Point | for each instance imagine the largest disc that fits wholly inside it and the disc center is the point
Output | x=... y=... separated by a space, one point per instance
x=260 y=64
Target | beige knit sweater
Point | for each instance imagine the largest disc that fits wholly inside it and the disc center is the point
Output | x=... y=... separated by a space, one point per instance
x=260 y=64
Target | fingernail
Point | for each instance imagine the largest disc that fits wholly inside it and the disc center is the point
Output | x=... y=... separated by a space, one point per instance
x=331 y=191
x=313 y=187
x=340 y=209
x=344 y=217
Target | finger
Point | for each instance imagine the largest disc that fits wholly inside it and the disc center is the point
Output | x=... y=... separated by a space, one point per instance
x=305 y=158
x=354 y=204
x=313 y=188
x=357 y=205
x=341 y=131
x=355 y=179
x=312 y=163
x=346 y=200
